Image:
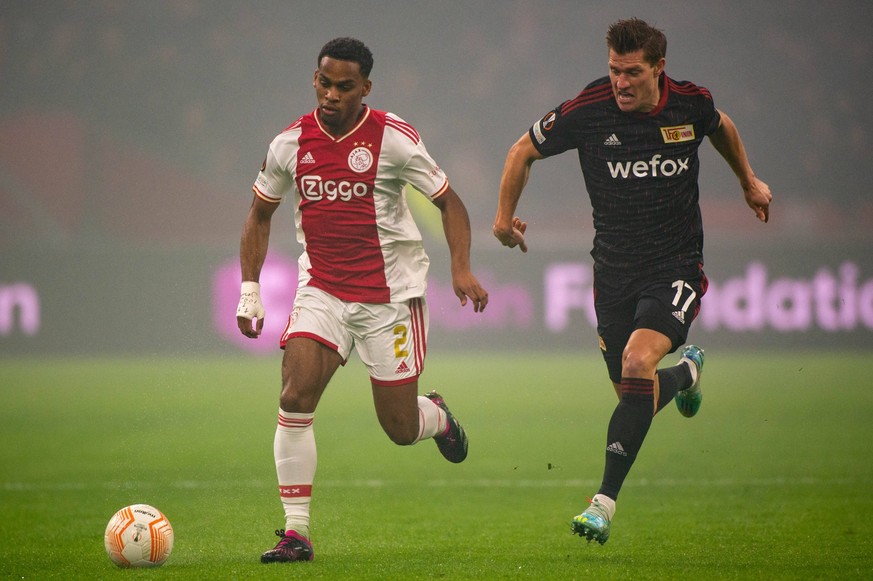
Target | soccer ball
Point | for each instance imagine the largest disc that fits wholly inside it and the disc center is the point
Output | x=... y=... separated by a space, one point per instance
x=138 y=535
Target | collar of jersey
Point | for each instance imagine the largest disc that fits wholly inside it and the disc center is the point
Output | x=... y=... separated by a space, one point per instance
x=360 y=122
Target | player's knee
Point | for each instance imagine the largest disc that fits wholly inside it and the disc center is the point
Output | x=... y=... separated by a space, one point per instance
x=403 y=435
x=635 y=363
x=294 y=402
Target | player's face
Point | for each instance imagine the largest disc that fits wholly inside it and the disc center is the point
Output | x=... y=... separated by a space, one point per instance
x=340 y=89
x=634 y=81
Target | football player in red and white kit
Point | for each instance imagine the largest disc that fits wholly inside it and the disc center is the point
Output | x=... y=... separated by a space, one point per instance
x=362 y=274
x=637 y=132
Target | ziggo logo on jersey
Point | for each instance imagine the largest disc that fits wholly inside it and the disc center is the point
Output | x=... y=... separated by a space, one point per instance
x=314 y=188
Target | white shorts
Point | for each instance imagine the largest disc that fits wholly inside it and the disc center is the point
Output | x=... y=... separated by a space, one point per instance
x=391 y=338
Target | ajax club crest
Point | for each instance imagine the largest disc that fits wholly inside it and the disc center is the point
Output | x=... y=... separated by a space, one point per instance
x=360 y=159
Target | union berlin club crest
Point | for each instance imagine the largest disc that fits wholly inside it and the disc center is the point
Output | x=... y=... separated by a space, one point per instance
x=361 y=159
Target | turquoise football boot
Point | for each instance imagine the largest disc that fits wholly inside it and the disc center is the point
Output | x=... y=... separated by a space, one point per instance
x=593 y=524
x=688 y=400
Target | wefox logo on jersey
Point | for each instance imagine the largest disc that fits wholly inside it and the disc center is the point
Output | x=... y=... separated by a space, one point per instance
x=314 y=188
x=652 y=168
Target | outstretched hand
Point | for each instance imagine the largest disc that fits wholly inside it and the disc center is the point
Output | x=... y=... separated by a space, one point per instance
x=514 y=236
x=758 y=198
x=467 y=286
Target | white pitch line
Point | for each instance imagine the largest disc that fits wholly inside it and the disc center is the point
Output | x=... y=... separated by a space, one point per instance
x=505 y=483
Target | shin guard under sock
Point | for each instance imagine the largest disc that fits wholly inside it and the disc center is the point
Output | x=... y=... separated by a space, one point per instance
x=627 y=429
x=295 y=455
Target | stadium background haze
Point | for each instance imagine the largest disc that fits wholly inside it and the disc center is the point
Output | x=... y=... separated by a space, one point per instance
x=130 y=135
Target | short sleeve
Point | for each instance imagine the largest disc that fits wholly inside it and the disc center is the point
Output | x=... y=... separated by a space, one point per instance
x=274 y=179
x=552 y=134
x=418 y=168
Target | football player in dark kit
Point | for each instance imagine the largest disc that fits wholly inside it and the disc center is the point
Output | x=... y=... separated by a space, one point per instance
x=637 y=132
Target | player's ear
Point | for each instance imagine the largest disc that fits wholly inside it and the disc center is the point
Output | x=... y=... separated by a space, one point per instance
x=315 y=77
x=659 y=66
x=368 y=84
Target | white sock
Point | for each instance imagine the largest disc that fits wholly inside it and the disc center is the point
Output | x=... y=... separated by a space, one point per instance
x=431 y=419
x=296 y=459
x=692 y=367
x=606 y=503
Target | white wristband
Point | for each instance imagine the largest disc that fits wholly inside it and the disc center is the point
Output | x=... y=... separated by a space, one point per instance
x=250 y=286
x=250 y=306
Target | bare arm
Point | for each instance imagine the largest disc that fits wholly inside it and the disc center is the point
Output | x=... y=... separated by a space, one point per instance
x=253 y=251
x=508 y=228
x=456 y=224
x=727 y=142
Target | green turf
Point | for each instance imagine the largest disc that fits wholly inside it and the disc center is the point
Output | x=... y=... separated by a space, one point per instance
x=772 y=480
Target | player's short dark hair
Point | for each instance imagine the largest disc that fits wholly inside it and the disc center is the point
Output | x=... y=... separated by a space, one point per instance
x=633 y=34
x=349 y=49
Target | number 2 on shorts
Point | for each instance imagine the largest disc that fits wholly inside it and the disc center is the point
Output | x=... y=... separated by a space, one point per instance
x=400 y=342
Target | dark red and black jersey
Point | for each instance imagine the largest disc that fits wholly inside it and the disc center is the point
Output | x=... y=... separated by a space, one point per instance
x=640 y=171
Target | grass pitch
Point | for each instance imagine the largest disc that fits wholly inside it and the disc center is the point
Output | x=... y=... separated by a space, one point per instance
x=772 y=479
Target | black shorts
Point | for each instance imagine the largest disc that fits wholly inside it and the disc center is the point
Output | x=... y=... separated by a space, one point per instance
x=665 y=305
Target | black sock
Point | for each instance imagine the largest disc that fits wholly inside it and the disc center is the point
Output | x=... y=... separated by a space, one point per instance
x=672 y=380
x=627 y=429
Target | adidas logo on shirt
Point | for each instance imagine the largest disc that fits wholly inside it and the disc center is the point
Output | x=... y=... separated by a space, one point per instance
x=612 y=140
x=616 y=448
x=307 y=158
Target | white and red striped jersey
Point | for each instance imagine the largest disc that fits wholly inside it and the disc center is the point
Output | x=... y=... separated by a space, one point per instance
x=360 y=241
